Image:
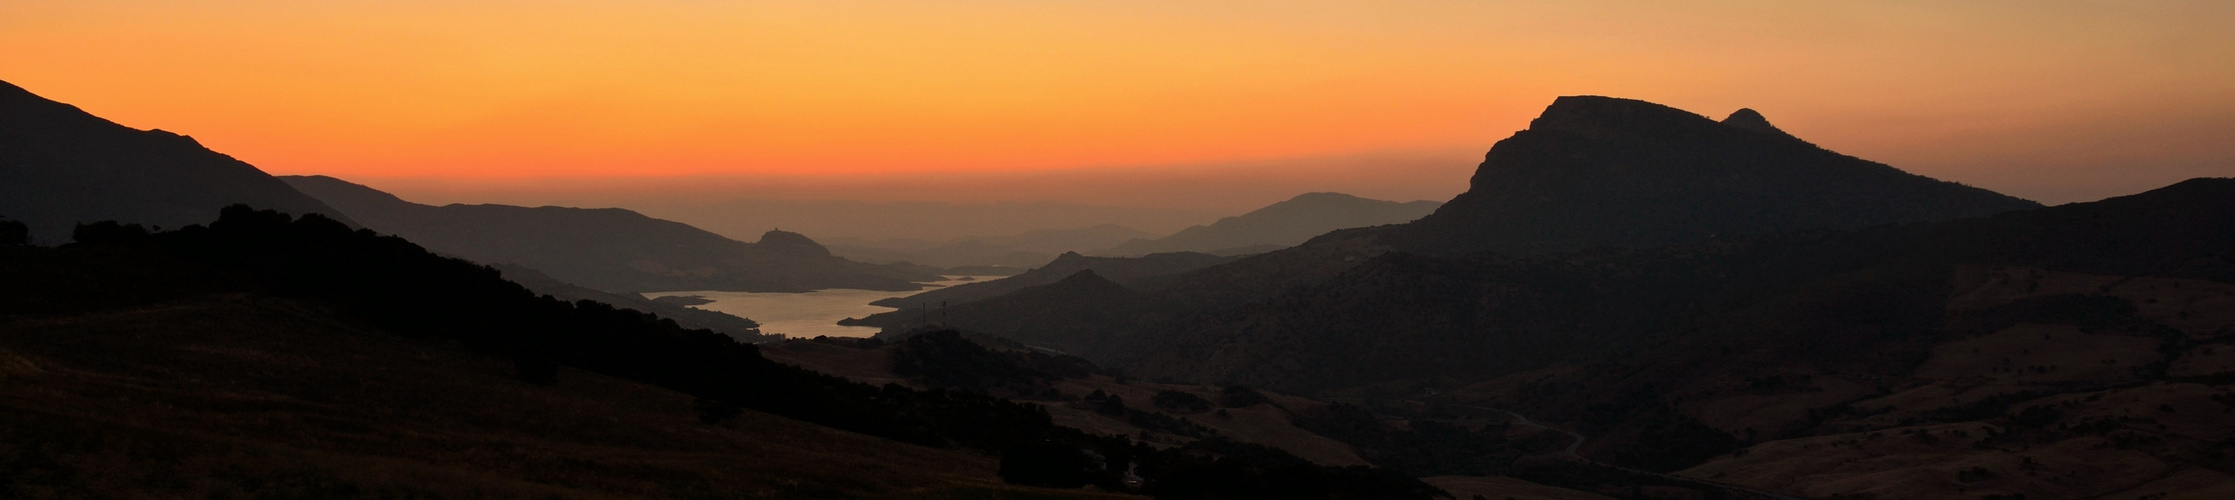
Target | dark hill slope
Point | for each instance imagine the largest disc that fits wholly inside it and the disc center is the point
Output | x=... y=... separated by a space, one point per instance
x=1404 y=316
x=609 y=249
x=259 y=397
x=1280 y=225
x=744 y=330
x=1119 y=269
x=1599 y=171
x=1081 y=313
x=1593 y=173
x=390 y=285
x=60 y=166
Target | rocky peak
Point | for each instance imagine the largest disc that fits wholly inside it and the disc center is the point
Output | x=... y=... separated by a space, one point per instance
x=1600 y=117
x=790 y=243
x=1750 y=120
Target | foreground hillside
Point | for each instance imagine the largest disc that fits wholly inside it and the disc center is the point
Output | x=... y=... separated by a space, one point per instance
x=1485 y=454
x=241 y=396
x=345 y=344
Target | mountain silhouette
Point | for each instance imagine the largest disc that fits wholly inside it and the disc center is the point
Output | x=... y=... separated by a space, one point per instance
x=60 y=166
x=692 y=318
x=1044 y=315
x=312 y=349
x=1135 y=269
x=1279 y=225
x=1600 y=171
x=609 y=249
x=1593 y=174
x=1020 y=251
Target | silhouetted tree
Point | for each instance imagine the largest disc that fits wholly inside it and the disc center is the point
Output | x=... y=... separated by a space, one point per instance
x=1241 y=397
x=13 y=232
x=1114 y=406
x=712 y=411
x=541 y=370
x=1046 y=463
x=109 y=232
x=1180 y=401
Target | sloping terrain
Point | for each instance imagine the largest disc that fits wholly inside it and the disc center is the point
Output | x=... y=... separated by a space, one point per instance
x=1609 y=179
x=1017 y=251
x=744 y=330
x=60 y=166
x=1122 y=270
x=609 y=249
x=1280 y=225
x=313 y=271
x=1183 y=416
x=252 y=397
x=1674 y=357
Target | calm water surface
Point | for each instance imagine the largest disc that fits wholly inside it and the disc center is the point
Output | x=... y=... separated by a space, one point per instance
x=812 y=313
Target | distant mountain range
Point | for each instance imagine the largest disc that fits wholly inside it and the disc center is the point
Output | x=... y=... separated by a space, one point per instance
x=1597 y=172
x=610 y=249
x=1019 y=251
x=310 y=349
x=924 y=308
x=1724 y=300
x=60 y=166
x=1280 y=225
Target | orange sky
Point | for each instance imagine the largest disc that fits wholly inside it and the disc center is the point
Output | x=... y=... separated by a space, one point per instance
x=2052 y=100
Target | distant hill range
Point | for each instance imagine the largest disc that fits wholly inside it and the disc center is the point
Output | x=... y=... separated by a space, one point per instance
x=1597 y=172
x=1725 y=302
x=60 y=166
x=1070 y=267
x=259 y=352
x=1279 y=225
x=1019 y=251
x=1600 y=171
x=610 y=249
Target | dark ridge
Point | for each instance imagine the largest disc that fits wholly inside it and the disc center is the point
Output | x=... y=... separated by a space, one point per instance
x=781 y=242
x=610 y=249
x=60 y=166
x=388 y=283
x=1599 y=171
x=1280 y=225
x=1748 y=119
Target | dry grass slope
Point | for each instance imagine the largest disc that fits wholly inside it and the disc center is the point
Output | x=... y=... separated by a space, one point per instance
x=242 y=397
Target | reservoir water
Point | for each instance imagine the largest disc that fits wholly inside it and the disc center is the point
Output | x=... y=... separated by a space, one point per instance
x=811 y=313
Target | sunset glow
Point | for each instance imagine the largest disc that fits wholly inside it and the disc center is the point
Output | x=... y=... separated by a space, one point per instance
x=2057 y=101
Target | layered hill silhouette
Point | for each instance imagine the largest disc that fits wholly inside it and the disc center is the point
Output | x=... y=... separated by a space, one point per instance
x=61 y=166
x=744 y=330
x=1601 y=171
x=2094 y=329
x=1678 y=332
x=1280 y=225
x=1488 y=315
x=1074 y=314
x=1018 y=251
x=1137 y=270
x=610 y=249
x=2081 y=332
x=271 y=356
x=1598 y=172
